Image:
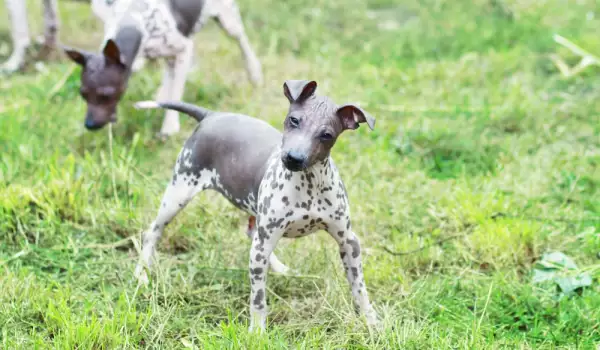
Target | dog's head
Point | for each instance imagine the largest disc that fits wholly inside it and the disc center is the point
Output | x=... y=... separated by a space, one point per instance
x=103 y=81
x=313 y=124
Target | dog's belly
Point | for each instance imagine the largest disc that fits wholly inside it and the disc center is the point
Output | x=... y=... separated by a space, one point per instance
x=161 y=39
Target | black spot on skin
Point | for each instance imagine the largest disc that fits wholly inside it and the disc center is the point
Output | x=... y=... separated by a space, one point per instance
x=267 y=204
x=312 y=222
x=288 y=175
x=262 y=235
x=196 y=183
x=258 y=299
x=343 y=255
x=274 y=223
x=285 y=200
x=348 y=225
x=256 y=271
x=280 y=187
x=354 y=272
x=309 y=192
x=319 y=202
x=259 y=257
x=328 y=202
x=164 y=204
x=302 y=177
x=305 y=217
x=297 y=188
x=355 y=247
x=289 y=213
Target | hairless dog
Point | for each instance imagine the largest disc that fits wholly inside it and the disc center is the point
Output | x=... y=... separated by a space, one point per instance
x=289 y=182
x=136 y=30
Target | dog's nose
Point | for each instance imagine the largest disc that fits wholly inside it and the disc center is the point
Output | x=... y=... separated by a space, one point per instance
x=91 y=125
x=295 y=159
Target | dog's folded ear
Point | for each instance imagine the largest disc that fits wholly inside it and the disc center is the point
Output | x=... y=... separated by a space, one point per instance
x=351 y=115
x=78 y=56
x=112 y=52
x=298 y=91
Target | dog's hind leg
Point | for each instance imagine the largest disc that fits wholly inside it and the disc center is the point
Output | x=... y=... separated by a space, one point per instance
x=228 y=16
x=51 y=23
x=20 y=35
x=180 y=191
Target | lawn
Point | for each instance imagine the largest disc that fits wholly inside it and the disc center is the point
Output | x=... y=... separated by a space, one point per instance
x=484 y=158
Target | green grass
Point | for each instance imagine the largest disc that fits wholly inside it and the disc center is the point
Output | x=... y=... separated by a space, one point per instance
x=473 y=120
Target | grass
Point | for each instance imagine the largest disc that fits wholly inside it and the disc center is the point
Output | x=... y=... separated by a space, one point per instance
x=478 y=136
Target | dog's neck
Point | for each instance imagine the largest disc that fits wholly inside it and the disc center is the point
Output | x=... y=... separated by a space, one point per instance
x=318 y=173
x=128 y=38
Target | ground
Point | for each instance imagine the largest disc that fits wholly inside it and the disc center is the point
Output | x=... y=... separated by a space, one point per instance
x=484 y=157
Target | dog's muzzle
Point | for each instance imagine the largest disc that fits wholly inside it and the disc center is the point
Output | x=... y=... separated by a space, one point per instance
x=294 y=161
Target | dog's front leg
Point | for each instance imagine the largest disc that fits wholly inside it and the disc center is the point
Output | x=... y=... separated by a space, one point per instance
x=180 y=70
x=164 y=92
x=351 y=259
x=263 y=244
x=20 y=35
x=274 y=263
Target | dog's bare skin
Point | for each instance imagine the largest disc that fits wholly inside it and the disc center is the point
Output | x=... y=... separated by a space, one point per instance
x=17 y=10
x=136 y=30
x=290 y=184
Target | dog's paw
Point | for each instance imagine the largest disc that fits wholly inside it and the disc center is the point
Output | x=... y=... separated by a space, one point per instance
x=141 y=275
x=373 y=322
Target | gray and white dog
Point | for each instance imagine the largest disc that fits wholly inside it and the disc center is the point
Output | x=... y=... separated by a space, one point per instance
x=289 y=182
x=17 y=11
x=150 y=29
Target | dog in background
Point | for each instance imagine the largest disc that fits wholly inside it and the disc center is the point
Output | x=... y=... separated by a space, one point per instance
x=17 y=11
x=151 y=29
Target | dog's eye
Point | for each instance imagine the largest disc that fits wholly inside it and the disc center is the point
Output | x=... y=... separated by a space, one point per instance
x=294 y=122
x=326 y=136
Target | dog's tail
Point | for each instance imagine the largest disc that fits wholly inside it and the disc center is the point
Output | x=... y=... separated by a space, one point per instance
x=196 y=112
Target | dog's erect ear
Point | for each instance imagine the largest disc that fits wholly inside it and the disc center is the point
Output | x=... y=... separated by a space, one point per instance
x=77 y=56
x=299 y=90
x=111 y=52
x=351 y=115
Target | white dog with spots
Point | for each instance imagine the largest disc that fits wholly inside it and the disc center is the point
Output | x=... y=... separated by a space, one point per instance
x=297 y=187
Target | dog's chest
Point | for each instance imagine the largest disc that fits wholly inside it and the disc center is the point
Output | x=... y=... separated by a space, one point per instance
x=300 y=203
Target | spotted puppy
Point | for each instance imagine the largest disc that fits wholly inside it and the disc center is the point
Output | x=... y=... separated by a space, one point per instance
x=17 y=11
x=136 y=30
x=289 y=182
